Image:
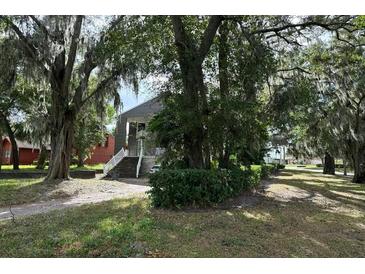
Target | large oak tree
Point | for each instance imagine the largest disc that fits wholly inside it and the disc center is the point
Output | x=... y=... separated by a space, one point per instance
x=67 y=51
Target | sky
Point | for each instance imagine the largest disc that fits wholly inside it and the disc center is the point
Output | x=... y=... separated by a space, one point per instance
x=130 y=99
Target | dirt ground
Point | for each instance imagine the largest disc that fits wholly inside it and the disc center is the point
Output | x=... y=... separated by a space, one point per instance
x=327 y=192
x=78 y=192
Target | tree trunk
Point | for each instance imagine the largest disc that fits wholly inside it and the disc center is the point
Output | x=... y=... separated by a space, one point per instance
x=61 y=149
x=42 y=157
x=14 y=145
x=191 y=57
x=1 y=149
x=359 y=165
x=329 y=164
x=344 y=167
x=358 y=152
x=80 y=159
x=359 y=174
x=223 y=92
x=194 y=136
x=224 y=160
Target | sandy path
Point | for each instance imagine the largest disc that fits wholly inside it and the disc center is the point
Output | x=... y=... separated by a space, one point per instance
x=80 y=192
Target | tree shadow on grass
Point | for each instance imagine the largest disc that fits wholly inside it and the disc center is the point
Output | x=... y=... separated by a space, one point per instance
x=131 y=228
x=20 y=191
x=298 y=227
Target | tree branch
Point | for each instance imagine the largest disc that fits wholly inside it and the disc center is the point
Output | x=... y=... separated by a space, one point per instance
x=41 y=26
x=209 y=35
x=294 y=68
x=181 y=38
x=332 y=26
x=73 y=49
x=102 y=85
x=89 y=65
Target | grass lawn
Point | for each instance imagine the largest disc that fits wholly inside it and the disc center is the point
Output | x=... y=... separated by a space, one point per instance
x=318 y=168
x=19 y=191
x=303 y=214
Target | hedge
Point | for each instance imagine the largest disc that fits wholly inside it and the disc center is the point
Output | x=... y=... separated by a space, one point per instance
x=176 y=188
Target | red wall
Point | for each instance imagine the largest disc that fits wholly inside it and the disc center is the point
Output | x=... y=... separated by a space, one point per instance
x=6 y=146
x=102 y=153
x=26 y=155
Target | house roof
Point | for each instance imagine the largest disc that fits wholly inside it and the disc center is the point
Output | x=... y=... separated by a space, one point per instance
x=149 y=107
x=25 y=144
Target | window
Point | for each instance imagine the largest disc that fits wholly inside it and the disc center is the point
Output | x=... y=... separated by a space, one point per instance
x=141 y=126
x=7 y=153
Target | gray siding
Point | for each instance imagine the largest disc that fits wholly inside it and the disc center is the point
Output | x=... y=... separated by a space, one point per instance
x=147 y=109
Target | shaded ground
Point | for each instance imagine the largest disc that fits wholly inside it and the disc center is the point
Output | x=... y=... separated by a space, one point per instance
x=43 y=197
x=297 y=214
x=339 y=171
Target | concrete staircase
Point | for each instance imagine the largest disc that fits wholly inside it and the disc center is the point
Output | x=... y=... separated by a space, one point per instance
x=127 y=167
x=147 y=163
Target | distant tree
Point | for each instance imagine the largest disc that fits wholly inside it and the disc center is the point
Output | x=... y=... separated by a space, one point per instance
x=15 y=93
x=36 y=124
x=90 y=130
x=340 y=68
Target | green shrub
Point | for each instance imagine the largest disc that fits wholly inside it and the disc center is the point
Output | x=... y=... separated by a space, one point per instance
x=175 y=188
x=264 y=171
x=181 y=187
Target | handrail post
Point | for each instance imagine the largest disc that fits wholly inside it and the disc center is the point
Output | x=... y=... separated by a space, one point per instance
x=139 y=159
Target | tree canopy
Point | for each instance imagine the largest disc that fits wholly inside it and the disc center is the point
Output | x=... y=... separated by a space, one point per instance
x=229 y=84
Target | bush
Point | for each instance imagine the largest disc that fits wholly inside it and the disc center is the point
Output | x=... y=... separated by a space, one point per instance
x=264 y=171
x=280 y=166
x=175 y=188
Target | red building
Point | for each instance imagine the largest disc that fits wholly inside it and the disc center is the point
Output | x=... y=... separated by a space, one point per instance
x=102 y=153
x=27 y=153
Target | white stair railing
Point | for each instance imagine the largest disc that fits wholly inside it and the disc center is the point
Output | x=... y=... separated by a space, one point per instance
x=115 y=160
x=139 y=160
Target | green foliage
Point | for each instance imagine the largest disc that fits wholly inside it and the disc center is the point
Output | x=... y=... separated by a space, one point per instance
x=234 y=119
x=90 y=130
x=360 y=21
x=175 y=188
x=18 y=95
x=168 y=128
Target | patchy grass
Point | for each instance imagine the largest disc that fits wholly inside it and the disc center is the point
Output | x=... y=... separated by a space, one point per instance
x=88 y=167
x=19 y=191
x=21 y=167
x=339 y=169
x=302 y=214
